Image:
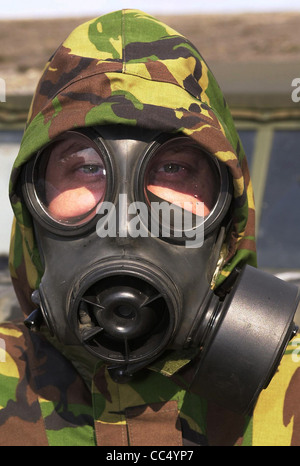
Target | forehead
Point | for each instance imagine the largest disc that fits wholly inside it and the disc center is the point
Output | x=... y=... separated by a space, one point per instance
x=181 y=148
x=67 y=148
x=81 y=144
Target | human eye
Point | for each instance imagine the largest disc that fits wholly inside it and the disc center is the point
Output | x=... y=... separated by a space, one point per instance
x=73 y=181
x=85 y=165
x=179 y=174
x=172 y=168
x=175 y=171
x=92 y=170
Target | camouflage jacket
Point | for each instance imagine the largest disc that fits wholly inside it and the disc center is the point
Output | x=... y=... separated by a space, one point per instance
x=127 y=68
x=45 y=401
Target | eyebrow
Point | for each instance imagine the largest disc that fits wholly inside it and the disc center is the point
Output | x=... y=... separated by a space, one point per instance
x=60 y=150
x=186 y=152
x=66 y=149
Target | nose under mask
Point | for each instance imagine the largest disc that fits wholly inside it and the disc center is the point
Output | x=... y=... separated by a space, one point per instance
x=130 y=296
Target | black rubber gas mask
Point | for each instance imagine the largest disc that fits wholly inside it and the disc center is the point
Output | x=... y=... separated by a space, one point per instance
x=129 y=225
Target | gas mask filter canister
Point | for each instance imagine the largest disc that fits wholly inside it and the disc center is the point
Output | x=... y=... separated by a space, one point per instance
x=129 y=226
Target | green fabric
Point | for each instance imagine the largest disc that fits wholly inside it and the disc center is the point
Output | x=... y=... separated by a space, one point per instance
x=43 y=400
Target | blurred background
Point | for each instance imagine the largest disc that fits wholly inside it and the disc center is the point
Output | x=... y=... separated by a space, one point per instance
x=253 y=49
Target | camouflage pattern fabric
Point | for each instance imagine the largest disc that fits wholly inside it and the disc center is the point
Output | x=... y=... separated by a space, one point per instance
x=44 y=402
x=127 y=68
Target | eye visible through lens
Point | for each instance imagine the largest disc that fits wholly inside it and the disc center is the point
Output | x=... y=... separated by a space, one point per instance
x=183 y=175
x=71 y=180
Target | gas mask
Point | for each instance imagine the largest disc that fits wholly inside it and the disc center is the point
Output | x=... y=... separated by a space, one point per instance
x=129 y=225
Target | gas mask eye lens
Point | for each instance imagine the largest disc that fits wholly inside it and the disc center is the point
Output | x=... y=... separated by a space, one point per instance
x=70 y=180
x=182 y=174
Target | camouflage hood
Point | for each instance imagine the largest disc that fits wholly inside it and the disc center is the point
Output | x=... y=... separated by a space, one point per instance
x=129 y=68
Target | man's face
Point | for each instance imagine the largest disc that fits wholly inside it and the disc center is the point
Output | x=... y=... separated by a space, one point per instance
x=75 y=179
